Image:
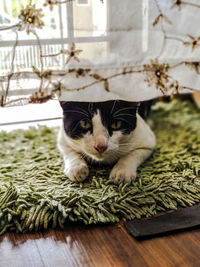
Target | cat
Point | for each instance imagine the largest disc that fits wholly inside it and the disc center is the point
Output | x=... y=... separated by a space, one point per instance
x=106 y=132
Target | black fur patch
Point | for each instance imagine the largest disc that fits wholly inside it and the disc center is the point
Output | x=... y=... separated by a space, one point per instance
x=74 y=112
x=145 y=108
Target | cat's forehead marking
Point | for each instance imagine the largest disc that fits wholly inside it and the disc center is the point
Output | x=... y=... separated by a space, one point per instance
x=98 y=127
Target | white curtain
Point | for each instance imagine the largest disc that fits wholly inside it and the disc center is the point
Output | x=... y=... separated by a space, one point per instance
x=136 y=50
x=154 y=49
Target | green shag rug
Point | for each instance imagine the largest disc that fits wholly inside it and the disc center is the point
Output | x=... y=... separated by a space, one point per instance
x=35 y=194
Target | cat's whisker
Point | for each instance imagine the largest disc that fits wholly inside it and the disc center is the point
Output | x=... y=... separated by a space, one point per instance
x=125 y=145
x=79 y=112
x=124 y=114
x=128 y=121
x=123 y=109
x=124 y=148
x=114 y=156
x=83 y=156
x=113 y=106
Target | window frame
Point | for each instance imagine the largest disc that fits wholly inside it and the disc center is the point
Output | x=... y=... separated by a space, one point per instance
x=83 y=4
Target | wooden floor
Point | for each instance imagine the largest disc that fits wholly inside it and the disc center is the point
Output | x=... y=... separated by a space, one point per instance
x=103 y=246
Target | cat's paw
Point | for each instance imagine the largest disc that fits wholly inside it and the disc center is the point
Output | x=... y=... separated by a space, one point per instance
x=122 y=174
x=78 y=172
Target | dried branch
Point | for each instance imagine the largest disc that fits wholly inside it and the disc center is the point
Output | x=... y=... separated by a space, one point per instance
x=52 y=3
x=103 y=79
x=180 y=3
x=40 y=97
x=3 y=99
x=10 y=27
x=14 y=101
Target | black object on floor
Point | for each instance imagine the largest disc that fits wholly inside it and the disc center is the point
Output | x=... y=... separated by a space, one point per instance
x=169 y=222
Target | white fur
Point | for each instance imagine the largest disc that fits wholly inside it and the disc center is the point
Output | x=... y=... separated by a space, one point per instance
x=128 y=151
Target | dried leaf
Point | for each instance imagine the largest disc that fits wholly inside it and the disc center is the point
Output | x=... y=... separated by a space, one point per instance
x=39 y=97
x=106 y=86
x=96 y=77
x=156 y=20
x=186 y=43
x=191 y=37
x=36 y=71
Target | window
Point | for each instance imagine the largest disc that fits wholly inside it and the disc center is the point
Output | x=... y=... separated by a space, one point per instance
x=63 y=26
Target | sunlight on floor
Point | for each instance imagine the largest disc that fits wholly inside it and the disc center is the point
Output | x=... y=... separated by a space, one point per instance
x=22 y=117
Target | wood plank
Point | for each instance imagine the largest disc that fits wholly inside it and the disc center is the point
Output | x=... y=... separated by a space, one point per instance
x=97 y=246
x=19 y=250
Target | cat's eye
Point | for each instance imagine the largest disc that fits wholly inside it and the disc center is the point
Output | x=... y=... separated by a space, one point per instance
x=116 y=125
x=85 y=124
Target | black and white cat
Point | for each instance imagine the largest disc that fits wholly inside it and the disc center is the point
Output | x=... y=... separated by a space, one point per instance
x=108 y=132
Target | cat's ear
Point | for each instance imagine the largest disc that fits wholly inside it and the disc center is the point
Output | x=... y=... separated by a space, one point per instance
x=63 y=104
x=136 y=105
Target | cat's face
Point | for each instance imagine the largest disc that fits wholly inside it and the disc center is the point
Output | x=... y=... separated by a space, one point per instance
x=100 y=130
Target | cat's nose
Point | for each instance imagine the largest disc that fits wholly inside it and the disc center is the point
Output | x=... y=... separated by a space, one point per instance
x=101 y=148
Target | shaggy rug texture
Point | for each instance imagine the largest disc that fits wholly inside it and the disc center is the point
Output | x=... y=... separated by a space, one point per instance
x=35 y=194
